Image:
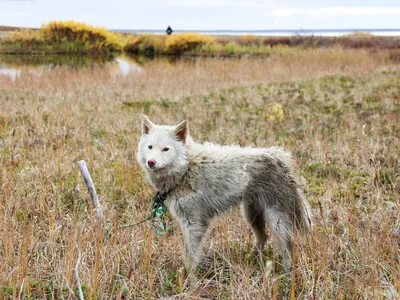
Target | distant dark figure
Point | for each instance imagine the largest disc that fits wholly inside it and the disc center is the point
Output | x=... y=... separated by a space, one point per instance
x=169 y=30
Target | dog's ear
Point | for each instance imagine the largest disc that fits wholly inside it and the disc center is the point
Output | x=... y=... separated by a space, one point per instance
x=146 y=125
x=181 y=131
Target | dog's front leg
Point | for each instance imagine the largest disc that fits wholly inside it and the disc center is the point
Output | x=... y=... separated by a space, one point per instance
x=193 y=235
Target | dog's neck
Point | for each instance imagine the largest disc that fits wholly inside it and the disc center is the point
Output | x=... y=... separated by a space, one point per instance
x=165 y=181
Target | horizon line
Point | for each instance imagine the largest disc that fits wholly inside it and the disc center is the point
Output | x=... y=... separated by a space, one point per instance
x=271 y=30
x=239 y=30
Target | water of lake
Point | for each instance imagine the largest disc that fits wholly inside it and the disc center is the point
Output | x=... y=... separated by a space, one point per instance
x=14 y=65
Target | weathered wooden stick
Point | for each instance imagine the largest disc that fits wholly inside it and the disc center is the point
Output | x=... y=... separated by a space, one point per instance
x=78 y=280
x=92 y=190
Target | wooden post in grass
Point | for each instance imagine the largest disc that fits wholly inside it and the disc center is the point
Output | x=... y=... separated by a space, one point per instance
x=90 y=186
x=99 y=209
x=78 y=280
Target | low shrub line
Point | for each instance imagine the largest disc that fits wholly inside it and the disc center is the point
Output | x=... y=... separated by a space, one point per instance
x=66 y=37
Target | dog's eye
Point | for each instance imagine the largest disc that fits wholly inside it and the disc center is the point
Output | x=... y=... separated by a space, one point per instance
x=150 y=147
x=165 y=149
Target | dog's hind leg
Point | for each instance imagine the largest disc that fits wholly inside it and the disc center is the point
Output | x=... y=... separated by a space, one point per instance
x=282 y=236
x=255 y=217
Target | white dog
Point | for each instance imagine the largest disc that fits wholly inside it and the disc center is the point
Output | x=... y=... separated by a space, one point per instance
x=202 y=181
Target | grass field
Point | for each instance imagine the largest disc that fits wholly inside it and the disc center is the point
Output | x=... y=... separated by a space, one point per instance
x=341 y=120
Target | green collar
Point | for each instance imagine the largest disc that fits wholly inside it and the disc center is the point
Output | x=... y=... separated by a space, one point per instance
x=158 y=213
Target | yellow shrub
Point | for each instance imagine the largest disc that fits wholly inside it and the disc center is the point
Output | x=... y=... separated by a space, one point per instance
x=276 y=113
x=76 y=32
x=186 y=41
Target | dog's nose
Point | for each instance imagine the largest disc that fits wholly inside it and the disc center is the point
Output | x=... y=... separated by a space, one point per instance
x=151 y=163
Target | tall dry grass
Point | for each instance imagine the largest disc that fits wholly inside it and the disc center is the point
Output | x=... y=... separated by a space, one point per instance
x=22 y=40
x=340 y=119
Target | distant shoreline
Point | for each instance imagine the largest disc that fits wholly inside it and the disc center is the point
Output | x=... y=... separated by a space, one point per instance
x=273 y=32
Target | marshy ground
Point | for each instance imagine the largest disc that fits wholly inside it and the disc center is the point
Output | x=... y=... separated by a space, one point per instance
x=337 y=110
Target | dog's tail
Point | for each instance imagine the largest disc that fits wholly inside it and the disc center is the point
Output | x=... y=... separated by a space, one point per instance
x=304 y=217
x=300 y=209
x=303 y=213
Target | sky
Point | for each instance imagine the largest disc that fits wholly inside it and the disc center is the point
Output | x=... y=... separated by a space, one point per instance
x=206 y=14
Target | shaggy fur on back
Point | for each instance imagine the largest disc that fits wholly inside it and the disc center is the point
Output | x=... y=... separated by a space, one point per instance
x=203 y=181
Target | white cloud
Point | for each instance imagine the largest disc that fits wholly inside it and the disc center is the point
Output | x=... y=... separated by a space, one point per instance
x=336 y=11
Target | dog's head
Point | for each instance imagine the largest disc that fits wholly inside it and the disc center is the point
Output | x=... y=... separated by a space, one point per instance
x=162 y=148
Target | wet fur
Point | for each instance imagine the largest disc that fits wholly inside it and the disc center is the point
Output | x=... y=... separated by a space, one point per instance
x=204 y=181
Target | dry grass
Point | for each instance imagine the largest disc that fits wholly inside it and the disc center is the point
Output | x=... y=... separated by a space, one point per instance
x=341 y=113
x=26 y=39
x=25 y=36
